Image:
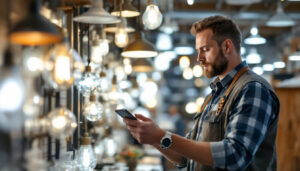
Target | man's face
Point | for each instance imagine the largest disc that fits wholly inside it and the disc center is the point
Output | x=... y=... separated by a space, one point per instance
x=210 y=55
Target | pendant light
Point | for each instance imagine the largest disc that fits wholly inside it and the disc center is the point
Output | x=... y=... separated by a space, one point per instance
x=152 y=17
x=121 y=36
x=96 y=15
x=280 y=19
x=126 y=9
x=35 y=29
x=141 y=65
x=254 y=38
x=140 y=48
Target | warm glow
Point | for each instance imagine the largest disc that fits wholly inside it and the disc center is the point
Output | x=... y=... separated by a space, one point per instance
x=62 y=71
x=191 y=107
x=152 y=17
x=59 y=122
x=184 y=62
x=187 y=73
x=121 y=37
x=197 y=71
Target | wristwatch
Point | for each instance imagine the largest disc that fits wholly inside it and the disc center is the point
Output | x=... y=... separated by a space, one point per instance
x=166 y=141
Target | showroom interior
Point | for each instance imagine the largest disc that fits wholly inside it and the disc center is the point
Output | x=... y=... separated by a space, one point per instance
x=67 y=65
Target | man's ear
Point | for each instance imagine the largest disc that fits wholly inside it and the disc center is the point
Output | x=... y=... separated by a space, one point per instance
x=227 y=46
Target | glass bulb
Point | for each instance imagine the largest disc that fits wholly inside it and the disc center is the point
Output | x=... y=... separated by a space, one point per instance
x=32 y=61
x=121 y=36
x=62 y=123
x=114 y=95
x=32 y=105
x=93 y=111
x=100 y=49
x=86 y=158
x=152 y=17
x=63 y=67
x=106 y=147
x=12 y=96
x=88 y=83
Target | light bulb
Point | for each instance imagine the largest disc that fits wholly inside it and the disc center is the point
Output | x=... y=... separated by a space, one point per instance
x=63 y=67
x=93 y=110
x=86 y=158
x=121 y=36
x=106 y=147
x=152 y=17
x=61 y=122
x=105 y=83
x=12 y=96
x=32 y=61
x=100 y=48
x=88 y=83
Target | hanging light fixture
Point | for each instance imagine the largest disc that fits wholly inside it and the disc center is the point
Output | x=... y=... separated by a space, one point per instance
x=62 y=66
x=152 y=17
x=32 y=61
x=96 y=15
x=295 y=56
x=253 y=57
x=254 y=38
x=93 y=110
x=62 y=123
x=169 y=26
x=121 y=36
x=89 y=82
x=242 y=2
x=35 y=29
x=140 y=48
x=280 y=19
x=141 y=65
x=86 y=157
x=100 y=48
x=126 y=9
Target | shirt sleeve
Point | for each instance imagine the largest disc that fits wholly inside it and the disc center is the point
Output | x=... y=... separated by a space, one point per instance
x=247 y=127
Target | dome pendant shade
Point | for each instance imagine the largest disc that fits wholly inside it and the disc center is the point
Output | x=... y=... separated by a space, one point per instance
x=140 y=48
x=280 y=19
x=128 y=10
x=35 y=30
x=96 y=15
x=141 y=65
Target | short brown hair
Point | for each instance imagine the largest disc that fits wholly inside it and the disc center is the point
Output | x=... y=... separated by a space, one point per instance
x=222 y=27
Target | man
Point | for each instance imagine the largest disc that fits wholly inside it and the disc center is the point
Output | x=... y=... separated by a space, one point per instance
x=236 y=128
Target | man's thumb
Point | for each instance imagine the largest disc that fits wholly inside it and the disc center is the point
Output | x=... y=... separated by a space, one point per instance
x=143 y=118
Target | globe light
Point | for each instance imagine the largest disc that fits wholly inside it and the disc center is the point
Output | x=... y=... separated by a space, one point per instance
x=93 y=110
x=32 y=61
x=61 y=123
x=152 y=17
x=86 y=158
x=89 y=82
x=114 y=95
x=121 y=36
x=63 y=67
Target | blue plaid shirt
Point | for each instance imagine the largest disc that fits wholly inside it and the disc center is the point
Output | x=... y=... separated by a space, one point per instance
x=247 y=126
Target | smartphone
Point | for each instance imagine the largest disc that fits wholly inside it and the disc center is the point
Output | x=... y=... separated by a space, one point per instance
x=125 y=113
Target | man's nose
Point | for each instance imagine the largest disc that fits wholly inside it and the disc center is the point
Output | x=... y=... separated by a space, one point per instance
x=200 y=57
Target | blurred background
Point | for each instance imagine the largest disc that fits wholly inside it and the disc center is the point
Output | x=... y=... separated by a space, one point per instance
x=66 y=65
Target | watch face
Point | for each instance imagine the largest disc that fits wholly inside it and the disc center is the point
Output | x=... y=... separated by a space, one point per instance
x=166 y=142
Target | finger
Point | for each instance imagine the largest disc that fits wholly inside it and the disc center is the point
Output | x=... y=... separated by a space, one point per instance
x=143 y=118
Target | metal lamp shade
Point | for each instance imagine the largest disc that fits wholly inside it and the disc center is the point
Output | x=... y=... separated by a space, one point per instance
x=96 y=15
x=141 y=65
x=140 y=48
x=35 y=30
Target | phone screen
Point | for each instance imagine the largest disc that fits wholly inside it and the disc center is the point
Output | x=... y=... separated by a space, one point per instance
x=125 y=113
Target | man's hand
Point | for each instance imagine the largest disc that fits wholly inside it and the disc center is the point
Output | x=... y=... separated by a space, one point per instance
x=144 y=130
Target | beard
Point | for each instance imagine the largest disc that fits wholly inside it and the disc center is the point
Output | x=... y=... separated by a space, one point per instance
x=217 y=67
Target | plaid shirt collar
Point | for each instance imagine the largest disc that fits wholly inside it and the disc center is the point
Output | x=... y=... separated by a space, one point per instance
x=218 y=84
